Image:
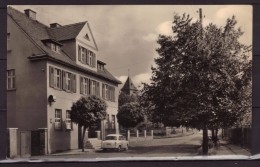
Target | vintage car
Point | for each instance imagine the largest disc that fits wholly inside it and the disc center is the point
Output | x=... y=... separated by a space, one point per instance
x=115 y=142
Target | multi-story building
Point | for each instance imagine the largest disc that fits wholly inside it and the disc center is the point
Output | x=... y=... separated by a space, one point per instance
x=49 y=68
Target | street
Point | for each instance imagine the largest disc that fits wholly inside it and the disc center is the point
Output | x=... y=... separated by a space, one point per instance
x=165 y=147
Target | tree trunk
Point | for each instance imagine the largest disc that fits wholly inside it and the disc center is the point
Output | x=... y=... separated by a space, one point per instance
x=83 y=136
x=205 y=141
x=212 y=134
x=216 y=135
x=127 y=134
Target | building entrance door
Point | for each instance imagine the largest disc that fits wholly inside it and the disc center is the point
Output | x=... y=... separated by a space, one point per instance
x=92 y=131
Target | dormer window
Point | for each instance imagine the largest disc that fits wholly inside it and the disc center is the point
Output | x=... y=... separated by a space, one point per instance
x=55 y=48
x=53 y=44
x=87 y=37
x=100 y=65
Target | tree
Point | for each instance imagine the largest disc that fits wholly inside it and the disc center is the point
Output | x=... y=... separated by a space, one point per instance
x=201 y=77
x=88 y=110
x=130 y=115
x=125 y=98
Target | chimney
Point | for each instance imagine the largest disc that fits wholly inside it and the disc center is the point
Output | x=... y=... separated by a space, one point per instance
x=30 y=13
x=55 y=25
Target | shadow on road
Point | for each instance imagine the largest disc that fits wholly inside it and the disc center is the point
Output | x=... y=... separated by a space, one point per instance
x=182 y=149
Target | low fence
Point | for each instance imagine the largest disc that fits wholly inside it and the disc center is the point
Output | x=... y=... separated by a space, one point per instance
x=239 y=136
x=171 y=131
x=137 y=135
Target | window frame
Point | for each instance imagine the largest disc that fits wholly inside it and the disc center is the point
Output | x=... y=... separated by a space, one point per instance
x=68 y=120
x=11 y=78
x=107 y=122
x=58 y=119
x=86 y=56
x=57 y=78
x=113 y=122
x=55 y=47
x=108 y=92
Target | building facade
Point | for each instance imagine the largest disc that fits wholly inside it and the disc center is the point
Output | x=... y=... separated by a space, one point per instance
x=49 y=68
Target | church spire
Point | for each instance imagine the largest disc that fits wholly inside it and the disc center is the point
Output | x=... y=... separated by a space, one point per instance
x=129 y=88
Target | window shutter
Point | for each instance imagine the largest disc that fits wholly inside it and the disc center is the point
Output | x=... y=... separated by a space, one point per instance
x=79 y=53
x=63 y=80
x=73 y=83
x=51 y=76
x=90 y=87
x=81 y=85
x=103 y=90
x=94 y=60
x=97 y=89
x=87 y=55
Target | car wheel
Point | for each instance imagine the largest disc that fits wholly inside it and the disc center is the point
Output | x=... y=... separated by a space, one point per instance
x=119 y=148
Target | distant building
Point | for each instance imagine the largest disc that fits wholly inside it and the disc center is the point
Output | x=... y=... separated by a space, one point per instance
x=49 y=68
x=129 y=88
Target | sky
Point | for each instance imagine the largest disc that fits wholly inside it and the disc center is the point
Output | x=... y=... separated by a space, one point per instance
x=126 y=34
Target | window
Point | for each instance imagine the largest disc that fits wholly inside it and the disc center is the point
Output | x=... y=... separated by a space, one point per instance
x=58 y=119
x=62 y=80
x=108 y=92
x=83 y=55
x=107 y=122
x=87 y=37
x=88 y=86
x=69 y=81
x=84 y=86
x=100 y=67
x=57 y=78
x=55 y=48
x=86 y=56
x=113 y=125
x=92 y=59
x=68 y=120
x=95 y=88
x=10 y=79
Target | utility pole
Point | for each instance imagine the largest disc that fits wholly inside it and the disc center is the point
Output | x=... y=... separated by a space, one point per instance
x=205 y=128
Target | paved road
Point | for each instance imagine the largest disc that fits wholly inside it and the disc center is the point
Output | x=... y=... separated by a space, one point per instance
x=167 y=147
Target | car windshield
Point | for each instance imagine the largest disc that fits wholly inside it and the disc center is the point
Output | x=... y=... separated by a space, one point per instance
x=111 y=138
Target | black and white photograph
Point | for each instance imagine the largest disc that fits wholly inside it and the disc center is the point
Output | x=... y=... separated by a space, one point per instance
x=135 y=82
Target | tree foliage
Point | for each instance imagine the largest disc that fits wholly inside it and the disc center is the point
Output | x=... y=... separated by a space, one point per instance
x=202 y=76
x=87 y=111
x=125 y=98
x=130 y=115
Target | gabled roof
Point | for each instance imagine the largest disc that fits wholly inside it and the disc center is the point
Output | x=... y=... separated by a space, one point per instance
x=37 y=32
x=129 y=85
x=66 y=32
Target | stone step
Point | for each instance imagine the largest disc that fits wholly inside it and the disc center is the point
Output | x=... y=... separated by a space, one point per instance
x=93 y=143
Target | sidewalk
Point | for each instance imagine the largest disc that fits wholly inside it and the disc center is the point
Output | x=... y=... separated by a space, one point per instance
x=226 y=148
x=72 y=152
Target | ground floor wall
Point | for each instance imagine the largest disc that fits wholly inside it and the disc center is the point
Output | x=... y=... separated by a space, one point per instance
x=62 y=138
